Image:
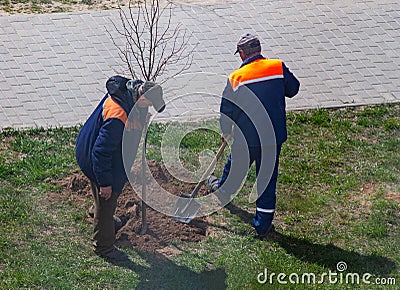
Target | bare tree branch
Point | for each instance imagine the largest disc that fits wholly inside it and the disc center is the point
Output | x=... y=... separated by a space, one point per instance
x=152 y=46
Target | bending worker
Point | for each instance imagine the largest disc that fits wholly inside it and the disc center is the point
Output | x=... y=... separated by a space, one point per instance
x=99 y=151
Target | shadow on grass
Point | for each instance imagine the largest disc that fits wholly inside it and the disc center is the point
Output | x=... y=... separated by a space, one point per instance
x=324 y=255
x=163 y=273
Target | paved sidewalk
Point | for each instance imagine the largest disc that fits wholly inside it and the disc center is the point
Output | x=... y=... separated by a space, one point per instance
x=53 y=67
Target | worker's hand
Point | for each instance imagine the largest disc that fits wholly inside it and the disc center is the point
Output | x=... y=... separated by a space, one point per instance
x=226 y=137
x=105 y=192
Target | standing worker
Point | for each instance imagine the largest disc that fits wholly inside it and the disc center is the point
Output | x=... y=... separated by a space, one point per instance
x=99 y=151
x=256 y=89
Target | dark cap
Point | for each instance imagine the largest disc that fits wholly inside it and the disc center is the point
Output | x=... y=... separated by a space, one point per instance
x=116 y=86
x=248 y=43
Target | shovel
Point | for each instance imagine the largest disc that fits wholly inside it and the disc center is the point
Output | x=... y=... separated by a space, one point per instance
x=187 y=207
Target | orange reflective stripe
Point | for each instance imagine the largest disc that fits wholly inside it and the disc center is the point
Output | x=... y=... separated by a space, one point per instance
x=111 y=109
x=256 y=71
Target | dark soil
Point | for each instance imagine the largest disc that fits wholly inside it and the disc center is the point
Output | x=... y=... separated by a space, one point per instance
x=162 y=231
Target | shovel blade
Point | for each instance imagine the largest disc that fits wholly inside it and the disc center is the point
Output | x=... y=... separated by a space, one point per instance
x=186 y=209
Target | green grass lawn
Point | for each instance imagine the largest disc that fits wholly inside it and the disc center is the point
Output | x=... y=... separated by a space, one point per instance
x=338 y=201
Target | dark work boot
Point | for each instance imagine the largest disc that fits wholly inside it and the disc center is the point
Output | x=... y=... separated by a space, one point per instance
x=262 y=223
x=212 y=183
x=212 y=186
x=264 y=235
x=113 y=255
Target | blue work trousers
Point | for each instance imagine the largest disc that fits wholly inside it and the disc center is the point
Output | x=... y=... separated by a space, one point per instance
x=267 y=163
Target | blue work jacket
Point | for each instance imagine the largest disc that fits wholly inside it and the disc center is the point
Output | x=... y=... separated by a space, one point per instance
x=256 y=89
x=99 y=143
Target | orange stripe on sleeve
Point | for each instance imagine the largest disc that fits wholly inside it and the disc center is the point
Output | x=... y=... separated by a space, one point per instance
x=111 y=109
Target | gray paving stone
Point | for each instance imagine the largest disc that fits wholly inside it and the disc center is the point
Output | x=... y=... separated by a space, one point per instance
x=344 y=54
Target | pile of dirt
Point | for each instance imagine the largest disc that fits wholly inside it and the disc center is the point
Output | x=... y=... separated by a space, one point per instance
x=162 y=230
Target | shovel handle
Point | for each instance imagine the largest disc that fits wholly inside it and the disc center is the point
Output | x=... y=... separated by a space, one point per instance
x=209 y=168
